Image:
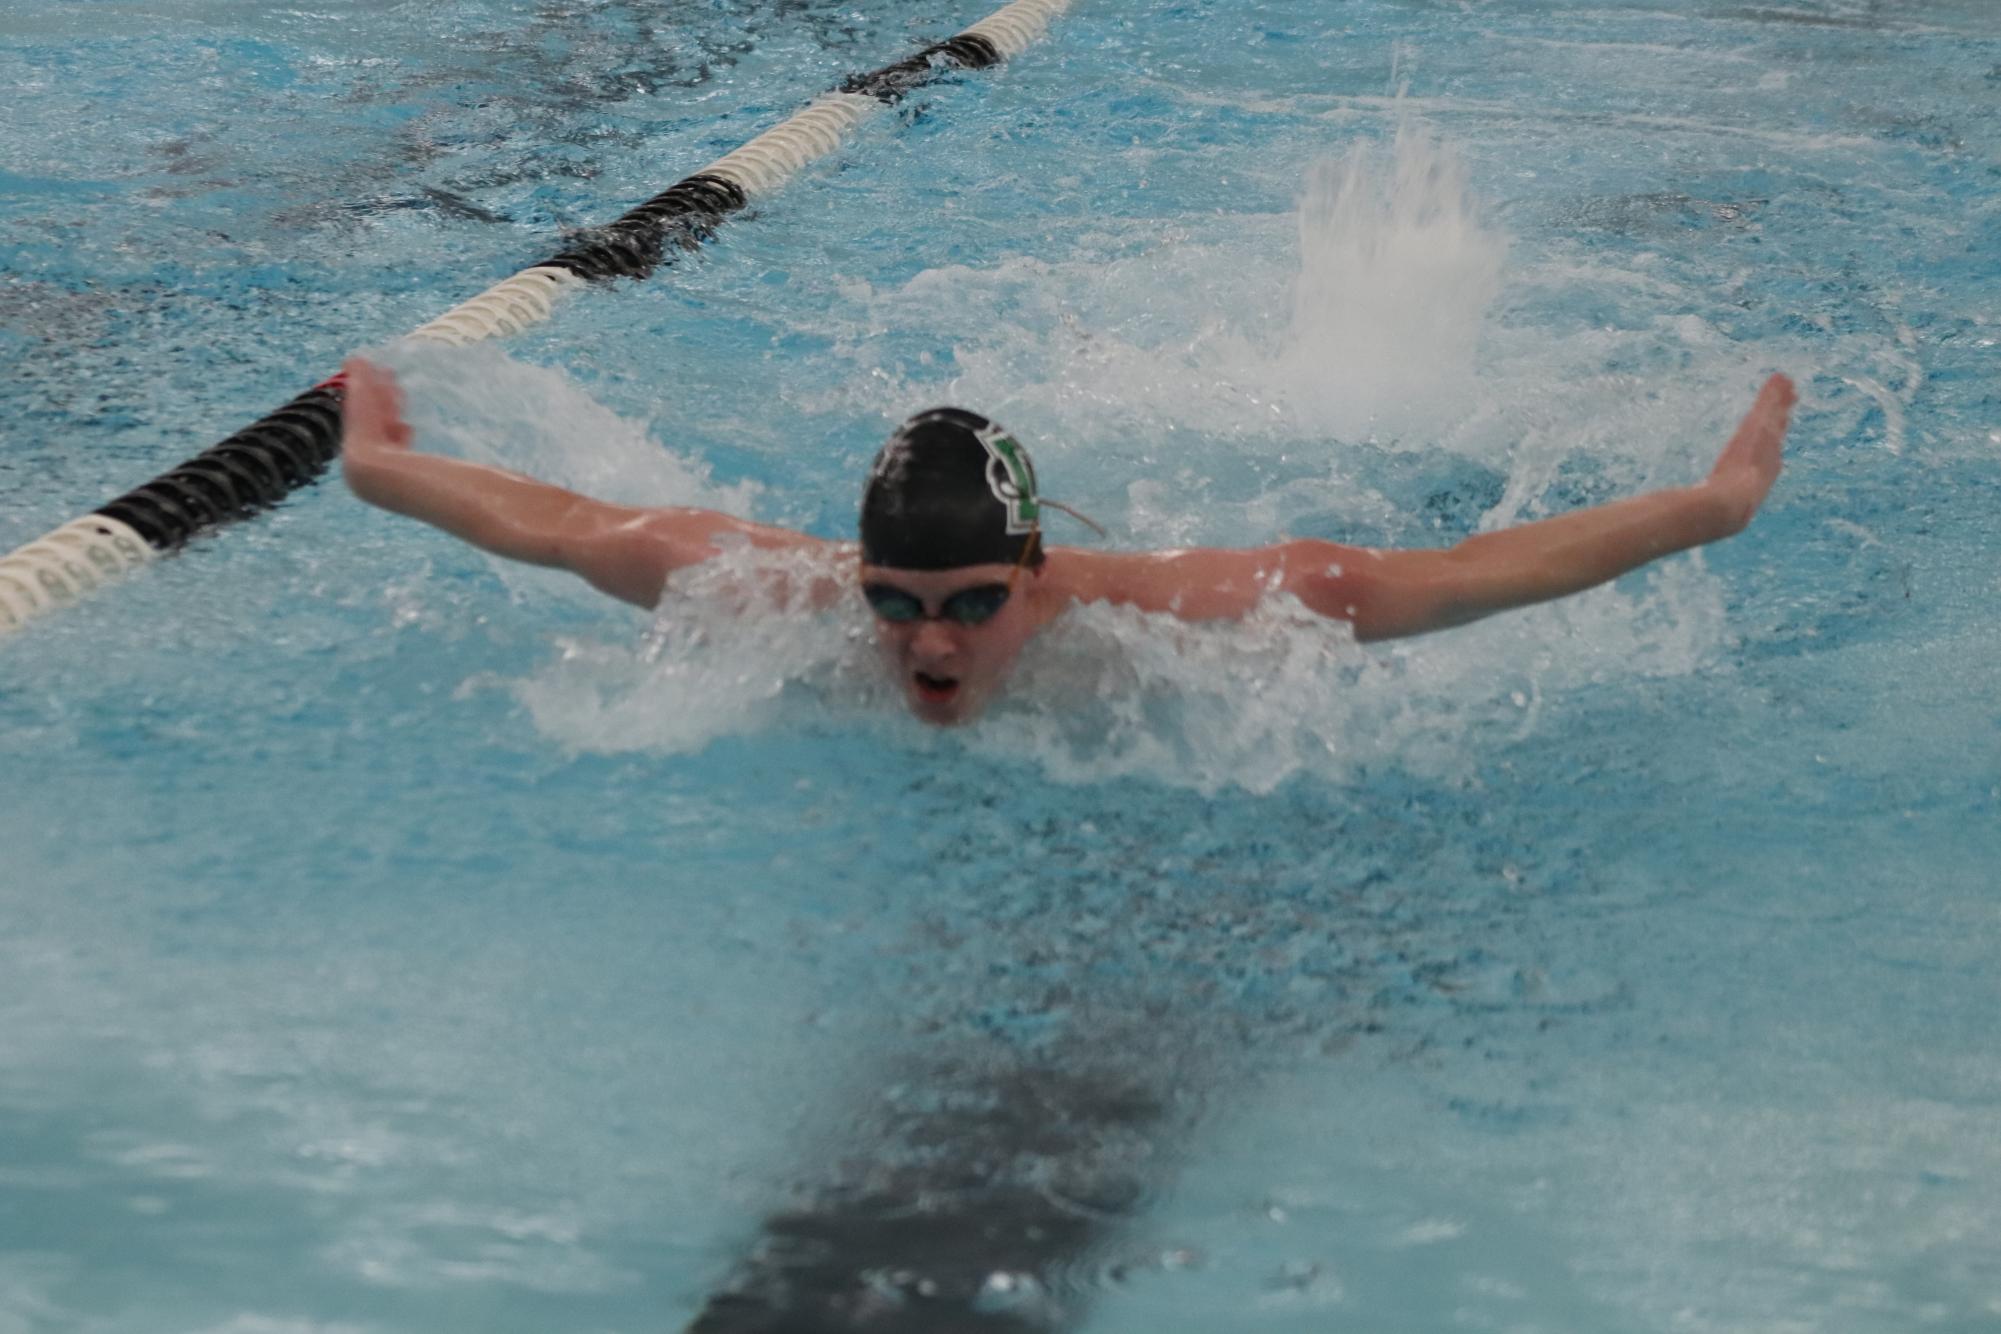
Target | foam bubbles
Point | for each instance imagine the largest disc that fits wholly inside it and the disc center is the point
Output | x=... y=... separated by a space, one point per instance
x=734 y=649
x=1110 y=692
x=1113 y=693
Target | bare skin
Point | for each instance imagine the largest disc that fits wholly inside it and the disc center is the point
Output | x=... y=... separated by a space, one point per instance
x=949 y=671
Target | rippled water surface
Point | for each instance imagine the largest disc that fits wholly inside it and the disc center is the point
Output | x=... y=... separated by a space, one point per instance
x=393 y=942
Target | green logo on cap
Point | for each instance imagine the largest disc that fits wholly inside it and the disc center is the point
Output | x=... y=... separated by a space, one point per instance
x=1012 y=480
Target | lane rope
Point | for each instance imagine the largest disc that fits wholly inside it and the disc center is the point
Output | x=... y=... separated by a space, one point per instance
x=289 y=448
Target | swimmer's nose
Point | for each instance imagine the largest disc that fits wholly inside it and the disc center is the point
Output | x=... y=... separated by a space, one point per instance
x=933 y=640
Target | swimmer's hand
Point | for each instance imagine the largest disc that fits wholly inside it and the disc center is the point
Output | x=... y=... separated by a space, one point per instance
x=1749 y=464
x=371 y=410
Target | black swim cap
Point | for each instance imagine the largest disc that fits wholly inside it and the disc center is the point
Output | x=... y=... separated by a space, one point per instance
x=950 y=489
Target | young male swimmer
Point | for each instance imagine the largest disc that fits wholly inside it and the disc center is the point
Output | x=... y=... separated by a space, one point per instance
x=951 y=559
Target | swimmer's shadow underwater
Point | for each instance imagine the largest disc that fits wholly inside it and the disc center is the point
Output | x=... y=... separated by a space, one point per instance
x=1004 y=1186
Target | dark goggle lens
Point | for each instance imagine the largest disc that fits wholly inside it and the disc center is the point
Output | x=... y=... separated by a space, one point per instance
x=974 y=605
x=969 y=606
x=892 y=604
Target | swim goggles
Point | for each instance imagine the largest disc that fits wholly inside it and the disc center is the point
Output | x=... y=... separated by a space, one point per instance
x=969 y=606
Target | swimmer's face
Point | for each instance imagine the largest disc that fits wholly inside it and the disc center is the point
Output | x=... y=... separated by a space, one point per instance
x=947 y=661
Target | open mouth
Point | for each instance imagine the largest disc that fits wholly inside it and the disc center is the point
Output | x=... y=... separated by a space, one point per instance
x=936 y=689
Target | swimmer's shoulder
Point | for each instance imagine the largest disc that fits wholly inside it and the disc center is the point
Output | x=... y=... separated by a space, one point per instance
x=1195 y=583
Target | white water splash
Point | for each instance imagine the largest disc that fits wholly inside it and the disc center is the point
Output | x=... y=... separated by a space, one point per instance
x=726 y=656
x=479 y=403
x=1357 y=316
x=1396 y=276
x=1113 y=693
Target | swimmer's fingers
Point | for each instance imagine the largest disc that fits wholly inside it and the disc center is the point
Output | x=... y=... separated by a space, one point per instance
x=1749 y=464
x=372 y=408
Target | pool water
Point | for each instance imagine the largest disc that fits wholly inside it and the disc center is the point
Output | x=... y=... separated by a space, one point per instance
x=392 y=941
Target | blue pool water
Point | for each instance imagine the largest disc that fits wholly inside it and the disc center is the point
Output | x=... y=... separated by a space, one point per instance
x=392 y=942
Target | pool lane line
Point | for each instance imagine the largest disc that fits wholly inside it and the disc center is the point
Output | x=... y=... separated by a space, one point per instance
x=290 y=447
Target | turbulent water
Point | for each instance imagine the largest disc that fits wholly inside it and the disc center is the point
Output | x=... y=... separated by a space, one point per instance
x=1392 y=279
x=395 y=941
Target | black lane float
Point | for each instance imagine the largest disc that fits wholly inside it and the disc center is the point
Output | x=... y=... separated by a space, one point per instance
x=261 y=464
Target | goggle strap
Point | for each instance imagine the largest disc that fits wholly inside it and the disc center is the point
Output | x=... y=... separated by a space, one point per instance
x=1079 y=516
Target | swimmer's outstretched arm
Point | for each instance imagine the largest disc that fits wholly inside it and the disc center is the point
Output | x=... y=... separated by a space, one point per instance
x=624 y=550
x=1387 y=594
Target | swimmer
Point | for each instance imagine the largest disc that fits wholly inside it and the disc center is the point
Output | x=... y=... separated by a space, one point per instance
x=951 y=560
